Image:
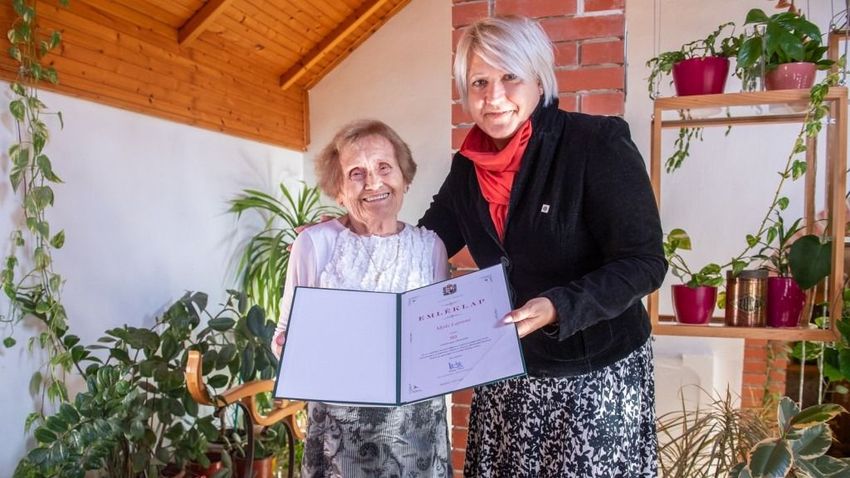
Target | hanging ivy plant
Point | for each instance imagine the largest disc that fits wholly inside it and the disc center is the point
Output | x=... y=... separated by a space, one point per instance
x=28 y=278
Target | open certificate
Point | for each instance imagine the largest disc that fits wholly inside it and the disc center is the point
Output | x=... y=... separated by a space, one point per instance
x=381 y=348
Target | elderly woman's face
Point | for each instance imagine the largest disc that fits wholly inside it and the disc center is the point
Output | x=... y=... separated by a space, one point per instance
x=499 y=101
x=373 y=186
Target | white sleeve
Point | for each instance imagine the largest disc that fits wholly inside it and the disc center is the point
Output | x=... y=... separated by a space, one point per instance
x=440 y=260
x=302 y=271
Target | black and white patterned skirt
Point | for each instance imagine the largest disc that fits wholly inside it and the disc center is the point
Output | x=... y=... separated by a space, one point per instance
x=601 y=424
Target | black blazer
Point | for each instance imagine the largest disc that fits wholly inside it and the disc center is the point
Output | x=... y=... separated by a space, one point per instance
x=582 y=230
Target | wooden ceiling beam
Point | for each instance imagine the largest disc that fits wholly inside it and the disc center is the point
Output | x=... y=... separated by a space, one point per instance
x=333 y=39
x=201 y=20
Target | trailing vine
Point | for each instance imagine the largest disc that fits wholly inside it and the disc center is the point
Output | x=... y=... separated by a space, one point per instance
x=28 y=278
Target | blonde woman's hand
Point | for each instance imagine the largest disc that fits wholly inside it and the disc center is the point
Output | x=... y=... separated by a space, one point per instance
x=536 y=313
x=300 y=229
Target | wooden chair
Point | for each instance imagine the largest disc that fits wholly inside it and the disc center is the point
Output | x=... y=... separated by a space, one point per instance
x=244 y=396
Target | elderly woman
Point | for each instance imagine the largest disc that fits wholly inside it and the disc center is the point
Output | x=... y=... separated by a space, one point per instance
x=367 y=168
x=563 y=199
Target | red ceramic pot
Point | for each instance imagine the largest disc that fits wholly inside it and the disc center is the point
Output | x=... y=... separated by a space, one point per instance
x=785 y=300
x=694 y=305
x=263 y=468
x=791 y=76
x=701 y=76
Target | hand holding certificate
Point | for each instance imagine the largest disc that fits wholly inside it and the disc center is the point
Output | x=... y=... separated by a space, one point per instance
x=391 y=349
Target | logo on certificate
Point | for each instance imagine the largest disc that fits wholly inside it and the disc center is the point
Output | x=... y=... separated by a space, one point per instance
x=449 y=289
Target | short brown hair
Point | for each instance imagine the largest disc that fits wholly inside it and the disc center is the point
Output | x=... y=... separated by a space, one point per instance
x=328 y=168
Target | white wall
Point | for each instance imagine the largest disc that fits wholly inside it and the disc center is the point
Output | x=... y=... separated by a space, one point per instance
x=401 y=76
x=144 y=207
x=724 y=188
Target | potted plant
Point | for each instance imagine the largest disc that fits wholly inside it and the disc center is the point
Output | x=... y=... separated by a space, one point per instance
x=799 y=446
x=699 y=67
x=695 y=299
x=787 y=45
x=785 y=297
x=264 y=259
x=268 y=442
x=725 y=440
x=136 y=416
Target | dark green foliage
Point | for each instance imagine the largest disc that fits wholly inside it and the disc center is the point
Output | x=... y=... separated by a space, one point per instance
x=136 y=415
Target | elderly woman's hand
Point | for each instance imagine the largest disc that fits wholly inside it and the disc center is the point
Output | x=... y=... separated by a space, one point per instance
x=536 y=313
x=277 y=345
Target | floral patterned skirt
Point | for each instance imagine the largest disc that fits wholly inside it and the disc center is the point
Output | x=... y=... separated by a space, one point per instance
x=601 y=424
x=377 y=442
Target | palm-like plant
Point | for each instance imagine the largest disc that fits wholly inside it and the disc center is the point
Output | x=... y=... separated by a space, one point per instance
x=263 y=263
x=710 y=441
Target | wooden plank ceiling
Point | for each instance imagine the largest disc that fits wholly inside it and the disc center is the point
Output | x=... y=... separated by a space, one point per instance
x=241 y=67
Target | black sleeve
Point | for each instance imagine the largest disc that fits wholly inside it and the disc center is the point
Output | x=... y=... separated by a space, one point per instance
x=441 y=216
x=622 y=216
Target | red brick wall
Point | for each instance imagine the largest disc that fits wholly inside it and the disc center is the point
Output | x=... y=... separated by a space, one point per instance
x=765 y=363
x=589 y=58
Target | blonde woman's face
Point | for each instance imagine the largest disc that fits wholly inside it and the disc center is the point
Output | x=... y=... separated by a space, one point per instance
x=499 y=101
x=373 y=186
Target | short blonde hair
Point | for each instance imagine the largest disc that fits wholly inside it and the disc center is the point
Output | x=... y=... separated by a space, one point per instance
x=329 y=169
x=512 y=43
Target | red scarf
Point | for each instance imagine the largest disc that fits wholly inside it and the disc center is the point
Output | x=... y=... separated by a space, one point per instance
x=496 y=168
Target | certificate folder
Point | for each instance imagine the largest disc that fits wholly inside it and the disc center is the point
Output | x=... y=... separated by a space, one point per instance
x=381 y=348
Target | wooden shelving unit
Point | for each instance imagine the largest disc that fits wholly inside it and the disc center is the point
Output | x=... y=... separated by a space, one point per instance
x=836 y=181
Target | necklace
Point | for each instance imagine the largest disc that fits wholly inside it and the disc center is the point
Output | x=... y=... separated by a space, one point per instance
x=370 y=254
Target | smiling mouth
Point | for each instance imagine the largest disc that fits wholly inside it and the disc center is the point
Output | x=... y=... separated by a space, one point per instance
x=378 y=197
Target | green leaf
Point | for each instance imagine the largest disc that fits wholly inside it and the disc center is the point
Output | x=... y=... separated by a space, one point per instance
x=809 y=260
x=43 y=196
x=18 y=89
x=247 y=371
x=221 y=324
x=58 y=240
x=750 y=53
x=832 y=467
x=18 y=110
x=786 y=410
x=225 y=355
x=218 y=381
x=170 y=348
x=782 y=203
x=798 y=169
x=46 y=168
x=770 y=458
x=815 y=415
x=256 y=321
x=680 y=239
x=752 y=240
x=813 y=442
x=756 y=15
x=9 y=342
x=43 y=435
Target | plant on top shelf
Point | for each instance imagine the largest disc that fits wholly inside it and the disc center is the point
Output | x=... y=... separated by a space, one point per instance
x=786 y=44
x=698 y=67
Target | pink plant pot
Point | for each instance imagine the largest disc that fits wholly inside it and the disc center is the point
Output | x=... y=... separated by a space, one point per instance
x=701 y=76
x=694 y=306
x=790 y=76
x=785 y=302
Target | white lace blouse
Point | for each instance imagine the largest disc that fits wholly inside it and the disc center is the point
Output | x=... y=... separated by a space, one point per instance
x=330 y=255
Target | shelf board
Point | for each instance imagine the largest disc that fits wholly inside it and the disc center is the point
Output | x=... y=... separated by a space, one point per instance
x=734 y=120
x=744 y=99
x=667 y=326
